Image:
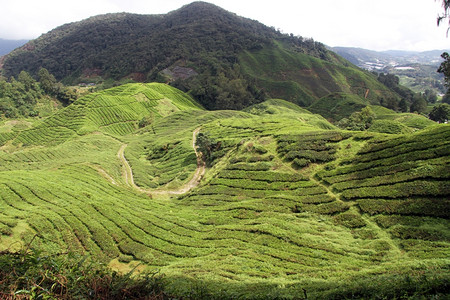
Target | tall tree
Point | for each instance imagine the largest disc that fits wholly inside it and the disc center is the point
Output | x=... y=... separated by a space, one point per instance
x=446 y=14
x=419 y=104
x=47 y=81
x=402 y=105
x=440 y=113
x=444 y=68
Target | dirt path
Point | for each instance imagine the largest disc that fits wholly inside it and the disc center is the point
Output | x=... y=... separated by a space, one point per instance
x=127 y=173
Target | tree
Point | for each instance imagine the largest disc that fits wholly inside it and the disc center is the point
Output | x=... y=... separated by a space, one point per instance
x=446 y=98
x=444 y=68
x=446 y=14
x=419 y=104
x=47 y=81
x=28 y=81
x=360 y=120
x=207 y=146
x=53 y=88
x=440 y=113
x=403 y=105
x=430 y=96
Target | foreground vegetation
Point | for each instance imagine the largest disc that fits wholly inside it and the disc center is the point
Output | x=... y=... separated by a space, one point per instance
x=290 y=206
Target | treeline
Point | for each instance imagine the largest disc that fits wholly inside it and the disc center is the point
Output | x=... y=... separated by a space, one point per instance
x=19 y=96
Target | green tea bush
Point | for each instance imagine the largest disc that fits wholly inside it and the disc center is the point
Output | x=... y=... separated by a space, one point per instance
x=329 y=208
x=268 y=176
x=400 y=190
x=406 y=232
x=433 y=207
x=349 y=220
x=299 y=163
x=389 y=126
x=261 y=166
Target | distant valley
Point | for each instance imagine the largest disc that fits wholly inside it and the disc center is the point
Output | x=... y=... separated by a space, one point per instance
x=417 y=70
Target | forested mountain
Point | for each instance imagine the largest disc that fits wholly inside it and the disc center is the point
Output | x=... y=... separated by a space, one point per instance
x=224 y=60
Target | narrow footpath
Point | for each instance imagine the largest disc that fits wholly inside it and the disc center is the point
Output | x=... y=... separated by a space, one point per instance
x=127 y=173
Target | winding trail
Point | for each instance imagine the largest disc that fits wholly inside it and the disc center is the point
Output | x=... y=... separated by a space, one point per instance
x=127 y=172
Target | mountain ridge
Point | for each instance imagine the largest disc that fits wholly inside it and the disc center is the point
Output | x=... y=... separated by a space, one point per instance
x=205 y=40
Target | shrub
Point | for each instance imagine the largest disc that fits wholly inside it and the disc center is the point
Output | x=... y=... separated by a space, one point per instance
x=124 y=258
x=30 y=274
x=350 y=220
x=406 y=232
x=389 y=126
x=299 y=163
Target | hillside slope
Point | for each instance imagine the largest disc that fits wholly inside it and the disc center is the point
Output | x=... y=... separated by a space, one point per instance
x=223 y=59
x=118 y=111
x=288 y=203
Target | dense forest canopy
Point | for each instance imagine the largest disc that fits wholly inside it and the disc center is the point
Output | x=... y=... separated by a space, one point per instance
x=120 y=44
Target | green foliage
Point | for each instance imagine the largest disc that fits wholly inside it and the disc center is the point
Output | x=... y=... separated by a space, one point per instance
x=208 y=147
x=389 y=126
x=311 y=147
x=116 y=111
x=361 y=120
x=418 y=105
x=33 y=275
x=305 y=80
x=145 y=121
x=18 y=98
x=413 y=121
x=350 y=220
x=440 y=113
x=393 y=82
x=224 y=88
x=444 y=68
x=430 y=96
x=337 y=106
x=51 y=87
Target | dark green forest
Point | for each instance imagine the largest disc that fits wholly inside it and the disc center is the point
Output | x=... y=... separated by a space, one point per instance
x=25 y=96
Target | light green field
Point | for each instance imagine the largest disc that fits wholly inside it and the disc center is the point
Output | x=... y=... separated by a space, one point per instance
x=291 y=203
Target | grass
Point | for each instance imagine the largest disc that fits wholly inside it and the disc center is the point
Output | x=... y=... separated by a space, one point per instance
x=368 y=220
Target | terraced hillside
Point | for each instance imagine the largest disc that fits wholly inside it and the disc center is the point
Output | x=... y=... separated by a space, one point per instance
x=117 y=112
x=288 y=204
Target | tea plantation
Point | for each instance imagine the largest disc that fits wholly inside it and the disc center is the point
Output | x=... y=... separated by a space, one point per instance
x=289 y=205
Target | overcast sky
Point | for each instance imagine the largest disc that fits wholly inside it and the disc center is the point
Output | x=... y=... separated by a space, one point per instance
x=370 y=24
